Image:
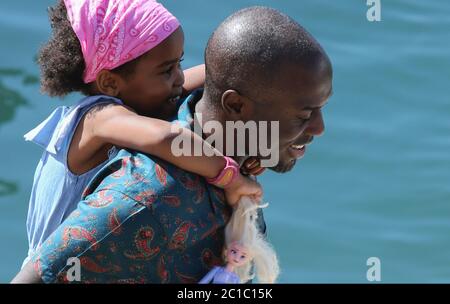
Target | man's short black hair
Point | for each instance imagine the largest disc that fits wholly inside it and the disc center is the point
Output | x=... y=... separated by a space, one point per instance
x=246 y=51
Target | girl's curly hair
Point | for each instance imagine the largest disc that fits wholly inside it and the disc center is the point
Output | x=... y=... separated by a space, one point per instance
x=61 y=59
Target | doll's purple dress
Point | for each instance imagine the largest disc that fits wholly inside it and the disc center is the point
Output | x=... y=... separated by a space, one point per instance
x=219 y=275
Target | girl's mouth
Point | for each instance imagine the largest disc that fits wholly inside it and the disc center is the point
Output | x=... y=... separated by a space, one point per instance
x=174 y=99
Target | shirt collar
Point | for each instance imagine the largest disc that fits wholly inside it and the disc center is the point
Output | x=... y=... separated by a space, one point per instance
x=185 y=116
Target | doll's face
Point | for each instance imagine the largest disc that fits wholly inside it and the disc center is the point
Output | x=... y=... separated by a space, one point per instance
x=237 y=255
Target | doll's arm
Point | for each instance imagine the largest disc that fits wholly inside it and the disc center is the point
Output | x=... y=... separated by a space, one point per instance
x=209 y=276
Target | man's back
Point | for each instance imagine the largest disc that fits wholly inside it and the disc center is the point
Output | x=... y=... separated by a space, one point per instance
x=147 y=221
x=141 y=220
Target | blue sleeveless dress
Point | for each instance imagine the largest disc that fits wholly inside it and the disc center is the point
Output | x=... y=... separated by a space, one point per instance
x=56 y=190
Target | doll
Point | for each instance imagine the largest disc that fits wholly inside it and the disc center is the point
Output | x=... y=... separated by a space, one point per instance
x=245 y=247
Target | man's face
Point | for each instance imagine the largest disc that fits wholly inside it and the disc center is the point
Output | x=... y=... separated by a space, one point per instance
x=295 y=101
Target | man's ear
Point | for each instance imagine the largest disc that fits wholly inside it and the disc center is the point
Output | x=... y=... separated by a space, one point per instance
x=108 y=83
x=235 y=105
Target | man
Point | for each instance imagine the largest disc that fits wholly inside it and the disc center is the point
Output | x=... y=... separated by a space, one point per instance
x=144 y=220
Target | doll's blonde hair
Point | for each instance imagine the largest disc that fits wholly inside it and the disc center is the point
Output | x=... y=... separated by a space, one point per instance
x=242 y=229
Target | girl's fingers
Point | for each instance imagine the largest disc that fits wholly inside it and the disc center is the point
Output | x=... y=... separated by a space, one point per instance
x=256 y=198
x=245 y=171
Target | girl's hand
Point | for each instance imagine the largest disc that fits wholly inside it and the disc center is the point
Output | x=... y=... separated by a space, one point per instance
x=252 y=166
x=243 y=186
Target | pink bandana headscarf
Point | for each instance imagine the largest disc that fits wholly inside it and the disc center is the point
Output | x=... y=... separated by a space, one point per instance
x=113 y=32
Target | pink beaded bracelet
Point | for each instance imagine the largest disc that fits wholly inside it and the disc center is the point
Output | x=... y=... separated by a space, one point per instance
x=228 y=174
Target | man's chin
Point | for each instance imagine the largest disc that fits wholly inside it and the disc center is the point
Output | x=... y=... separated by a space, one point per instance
x=284 y=167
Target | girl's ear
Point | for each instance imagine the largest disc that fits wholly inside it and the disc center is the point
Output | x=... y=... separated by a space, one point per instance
x=108 y=83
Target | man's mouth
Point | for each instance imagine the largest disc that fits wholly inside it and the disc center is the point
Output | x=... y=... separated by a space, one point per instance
x=297 y=147
x=297 y=151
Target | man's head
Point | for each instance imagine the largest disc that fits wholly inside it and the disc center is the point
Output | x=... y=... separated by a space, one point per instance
x=261 y=65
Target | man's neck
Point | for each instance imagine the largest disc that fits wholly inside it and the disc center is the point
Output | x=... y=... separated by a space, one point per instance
x=209 y=112
x=204 y=112
x=201 y=107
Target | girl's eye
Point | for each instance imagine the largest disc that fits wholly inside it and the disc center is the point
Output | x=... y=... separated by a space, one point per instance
x=233 y=251
x=172 y=68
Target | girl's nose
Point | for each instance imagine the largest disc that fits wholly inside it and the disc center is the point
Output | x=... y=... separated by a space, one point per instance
x=179 y=78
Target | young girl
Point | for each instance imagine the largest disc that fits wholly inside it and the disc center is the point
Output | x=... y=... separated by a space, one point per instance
x=124 y=55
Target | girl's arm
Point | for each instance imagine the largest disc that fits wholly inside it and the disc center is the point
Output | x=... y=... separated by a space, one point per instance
x=194 y=78
x=121 y=127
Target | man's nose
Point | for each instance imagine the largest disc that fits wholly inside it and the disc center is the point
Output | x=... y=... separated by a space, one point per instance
x=316 y=125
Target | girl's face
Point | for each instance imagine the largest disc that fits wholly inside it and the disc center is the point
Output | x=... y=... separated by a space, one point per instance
x=156 y=83
x=237 y=255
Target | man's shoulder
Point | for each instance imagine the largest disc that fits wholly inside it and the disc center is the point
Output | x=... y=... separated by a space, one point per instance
x=126 y=168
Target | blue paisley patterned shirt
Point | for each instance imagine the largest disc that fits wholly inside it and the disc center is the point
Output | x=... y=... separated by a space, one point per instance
x=140 y=220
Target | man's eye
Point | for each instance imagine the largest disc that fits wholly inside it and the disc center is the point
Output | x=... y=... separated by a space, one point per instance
x=303 y=120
